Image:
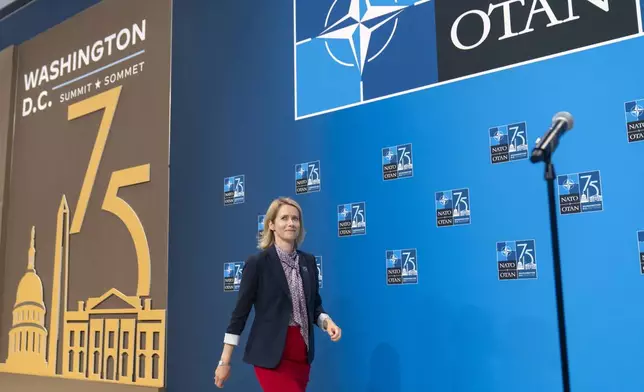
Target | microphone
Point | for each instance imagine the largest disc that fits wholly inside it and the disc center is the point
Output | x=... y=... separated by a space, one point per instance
x=561 y=122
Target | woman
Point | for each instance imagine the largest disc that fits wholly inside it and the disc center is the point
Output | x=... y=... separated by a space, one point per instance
x=282 y=283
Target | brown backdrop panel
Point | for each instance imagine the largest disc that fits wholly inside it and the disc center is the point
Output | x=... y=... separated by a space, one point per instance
x=111 y=289
x=7 y=63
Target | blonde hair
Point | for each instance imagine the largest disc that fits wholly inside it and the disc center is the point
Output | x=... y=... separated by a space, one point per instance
x=267 y=238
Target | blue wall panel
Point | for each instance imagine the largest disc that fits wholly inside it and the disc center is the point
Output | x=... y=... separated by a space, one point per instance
x=460 y=328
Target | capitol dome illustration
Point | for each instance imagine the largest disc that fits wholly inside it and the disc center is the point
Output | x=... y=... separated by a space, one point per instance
x=28 y=335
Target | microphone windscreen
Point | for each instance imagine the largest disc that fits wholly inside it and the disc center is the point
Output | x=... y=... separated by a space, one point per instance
x=566 y=117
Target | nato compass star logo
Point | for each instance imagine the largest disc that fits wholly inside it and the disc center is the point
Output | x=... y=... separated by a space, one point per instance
x=443 y=200
x=356 y=27
x=507 y=251
x=350 y=52
x=568 y=184
x=637 y=111
x=499 y=136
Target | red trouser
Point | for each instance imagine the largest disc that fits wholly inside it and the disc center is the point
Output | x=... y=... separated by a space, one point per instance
x=292 y=374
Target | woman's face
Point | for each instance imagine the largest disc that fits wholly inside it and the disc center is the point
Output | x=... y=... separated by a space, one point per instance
x=287 y=223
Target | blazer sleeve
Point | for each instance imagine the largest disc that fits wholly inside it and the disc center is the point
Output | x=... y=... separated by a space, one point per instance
x=245 y=301
x=319 y=314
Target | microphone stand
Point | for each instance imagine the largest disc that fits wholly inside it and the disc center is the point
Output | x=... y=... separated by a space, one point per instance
x=550 y=177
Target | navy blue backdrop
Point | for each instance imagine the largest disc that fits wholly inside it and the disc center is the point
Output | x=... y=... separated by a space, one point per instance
x=460 y=328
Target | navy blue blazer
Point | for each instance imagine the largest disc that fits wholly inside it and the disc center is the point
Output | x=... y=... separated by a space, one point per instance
x=264 y=286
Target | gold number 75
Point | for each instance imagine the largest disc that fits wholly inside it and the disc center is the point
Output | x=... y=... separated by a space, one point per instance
x=108 y=101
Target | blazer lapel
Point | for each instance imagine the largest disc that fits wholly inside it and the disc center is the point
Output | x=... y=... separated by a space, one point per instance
x=278 y=270
x=306 y=276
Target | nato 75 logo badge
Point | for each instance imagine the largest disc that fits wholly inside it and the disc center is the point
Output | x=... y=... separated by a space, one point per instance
x=307 y=177
x=234 y=190
x=516 y=259
x=233 y=276
x=397 y=162
x=453 y=207
x=402 y=266
x=318 y=263
x=580 y=192
x=640 y=248
x=634 y=120
x=352 y=219
x=509 y=143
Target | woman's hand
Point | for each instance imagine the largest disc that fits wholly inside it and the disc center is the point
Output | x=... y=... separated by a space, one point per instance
x=333 y=330
x=221 y=375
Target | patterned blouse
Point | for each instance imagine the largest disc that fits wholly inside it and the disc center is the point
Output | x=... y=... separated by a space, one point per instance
x=291 y=266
